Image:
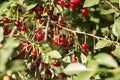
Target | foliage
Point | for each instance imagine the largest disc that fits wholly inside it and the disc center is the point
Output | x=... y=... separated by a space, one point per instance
x=59 y=39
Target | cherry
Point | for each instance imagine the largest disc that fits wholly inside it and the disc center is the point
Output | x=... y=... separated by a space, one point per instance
x=112 y=53
x=75 y=1
x=74 y=59
x=39 y=8
x=22 y=52
x=50 y=12
x=54 y=18
x=23 y=43
x=17 y=23
x=56 y=63
x=35 y=51
x=44 y=64
x=33 y=57
x=55 y=41
x=62 y=39
x=41 y=21
x=84 y=11
x=37 y=16
x=48 y=72
x=66 y=4
x=38 y=30
x=38 y=35
x=7 y=77
x=28 y=48
x=60 y=20
x=84 y=46
x=61 y=75
x=72 y=5
x=65 y=43
x=23 y=28
x=5 y=20
x=61 y=2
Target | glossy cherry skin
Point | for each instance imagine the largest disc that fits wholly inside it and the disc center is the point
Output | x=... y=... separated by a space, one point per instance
x=23 y=28
x=17 y=23
x=84 y=46
x=5 y=20
x=56 y=63
x=35 y=51
x=84 y=11
x=61 y=75
x=38 y=35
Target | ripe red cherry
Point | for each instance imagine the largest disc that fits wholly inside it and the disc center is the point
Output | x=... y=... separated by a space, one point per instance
x=66 y=4
x=50 y=12
x=72 y=5
x=75 y=1
x=23 y=28
x=61 y=75
x=38 y=29
x=112 y=53
x=84 y=46
x=41 y=21
x=60 y=20
x=17 y=23
x=22 y=52
x=56 y=63
x=55 y=41
x=62 y=39
x=61 y=2
x=35 y=51
x=38 y=35
x=74 y=59
x=84 y=11
x=39 y=8
x=5 y=20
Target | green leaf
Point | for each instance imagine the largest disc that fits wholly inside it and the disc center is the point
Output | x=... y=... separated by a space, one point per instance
x=31 y=6
x=101 y=44
x=117 y=51
x=89 y=3
x=17 y=65
x=106 y=60
x=117 y=26
x=114 y=1
x=1 y=34
x=54 y=54
x=74 y=68
x=85 y=75
x=6 y=52
x=66 y=59
x=109 y=11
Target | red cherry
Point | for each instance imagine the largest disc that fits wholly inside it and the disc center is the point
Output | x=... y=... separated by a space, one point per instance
x=50 y=12
x=5 y=20
x=35 y=51
x=75 y=1
x=56 y=63
x=23 y=43
x=84 y=46
x=23 y=28
x=61 y=2
x=41 y=21
x=74 y=59
x=61 y=75
x=39 y=8
x=22 y=52
x=72 y=5
x=28 y=48
x=60 y=20
x=38 y=35
x=17 y=23
x=44 y=64
x=38 y=29
x=55 y=41
x=37 y=16
x=84 y=11
x=112 y=53
x=54 y=18
x=62 y=39
x=66 y=4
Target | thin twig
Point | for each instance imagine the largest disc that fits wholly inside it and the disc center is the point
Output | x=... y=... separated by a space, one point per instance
x=88 y=34
x=48 y=22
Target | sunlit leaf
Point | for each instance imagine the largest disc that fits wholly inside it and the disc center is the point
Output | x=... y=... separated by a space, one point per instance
x=89 y=3
x=106 y=60
x=54 y=54
x=74 y=68
x=101 y=44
